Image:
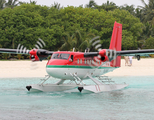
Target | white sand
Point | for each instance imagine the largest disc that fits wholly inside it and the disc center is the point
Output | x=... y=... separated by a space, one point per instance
x=14 y=69
x=9 y=69
x=144 y=67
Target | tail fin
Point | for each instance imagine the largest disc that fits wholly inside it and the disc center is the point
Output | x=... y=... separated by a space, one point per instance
x=115 y=43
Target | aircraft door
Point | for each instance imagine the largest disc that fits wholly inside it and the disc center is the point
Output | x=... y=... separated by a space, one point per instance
x=72 y=57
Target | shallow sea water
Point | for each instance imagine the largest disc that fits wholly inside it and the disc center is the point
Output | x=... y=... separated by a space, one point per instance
x=135 y=102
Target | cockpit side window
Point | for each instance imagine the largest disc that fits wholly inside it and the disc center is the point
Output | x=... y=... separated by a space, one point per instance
x=60 y=56
x=55 y=56
x=64 y=56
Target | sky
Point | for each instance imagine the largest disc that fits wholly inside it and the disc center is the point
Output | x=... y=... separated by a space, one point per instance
x=64 y=3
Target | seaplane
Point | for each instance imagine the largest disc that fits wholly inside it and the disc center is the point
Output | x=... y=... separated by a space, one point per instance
x=76 y=67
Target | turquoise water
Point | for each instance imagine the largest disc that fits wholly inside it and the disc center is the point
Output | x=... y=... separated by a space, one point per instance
x=134 y=102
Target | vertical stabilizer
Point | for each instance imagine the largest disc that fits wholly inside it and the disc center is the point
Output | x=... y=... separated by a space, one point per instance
x=115 y=43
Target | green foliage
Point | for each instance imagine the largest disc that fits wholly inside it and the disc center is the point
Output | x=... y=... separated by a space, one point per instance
x=68 y=27
x=109 y=6
x=148 y=11
x=76 y=41
x=12 y=3
x=5 y=56
x=88 y=20
x=130 y=9
x=2 y=2
x=146 y=15
x=33 y=2
x=91 y=4
x=149 y=43
x=19 y=56
x=25 y=24
x=132 y=28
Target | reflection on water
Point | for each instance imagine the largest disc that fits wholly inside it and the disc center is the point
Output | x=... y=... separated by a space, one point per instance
x=135 y=101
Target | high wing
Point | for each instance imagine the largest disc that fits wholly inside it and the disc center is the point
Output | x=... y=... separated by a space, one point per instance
x=109 y=52
x=35 y=54
x=144 y=52
x=13 y=51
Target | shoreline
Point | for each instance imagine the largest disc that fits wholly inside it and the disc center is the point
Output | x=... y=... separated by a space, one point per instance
x=28 y=69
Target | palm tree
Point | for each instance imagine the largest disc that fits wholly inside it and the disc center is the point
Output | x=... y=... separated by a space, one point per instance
x=33 y=2
x=57 y=6
x=148 y=11
x=12 y=3
x=130 y=8
x=91 y=4
x=109 y=6
x=76 y=41
x=138 y=13
x=68 y=42
x=148 y=30
x=71 y=41
x=2 y=3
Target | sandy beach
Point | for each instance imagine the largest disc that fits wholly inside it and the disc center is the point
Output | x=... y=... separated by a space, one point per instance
x=22 y=69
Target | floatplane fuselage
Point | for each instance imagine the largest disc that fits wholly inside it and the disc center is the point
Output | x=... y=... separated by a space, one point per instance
x=64 y=64
x=77 y=67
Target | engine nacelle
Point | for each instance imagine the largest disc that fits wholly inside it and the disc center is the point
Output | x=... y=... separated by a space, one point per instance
x=102 y=52
x=33 y=55
x=103 y=56
x=108 y=54
x=38 y=54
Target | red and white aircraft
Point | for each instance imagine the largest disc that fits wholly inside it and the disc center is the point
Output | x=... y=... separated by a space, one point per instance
x=79 y=66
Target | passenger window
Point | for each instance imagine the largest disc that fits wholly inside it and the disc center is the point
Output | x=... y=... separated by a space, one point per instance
x=89 y=61
x=92 y=61
x=80 y=61
x=85 y=61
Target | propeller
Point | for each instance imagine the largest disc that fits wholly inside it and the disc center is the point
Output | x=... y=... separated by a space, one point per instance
x=22 y=50
x=36 y=54
x=96 y=58
x=102 y=55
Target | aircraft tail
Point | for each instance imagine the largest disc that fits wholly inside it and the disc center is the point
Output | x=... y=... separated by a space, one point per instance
x=115 y=43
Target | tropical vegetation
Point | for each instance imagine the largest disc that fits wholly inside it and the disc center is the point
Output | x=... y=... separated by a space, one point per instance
x=65 y=28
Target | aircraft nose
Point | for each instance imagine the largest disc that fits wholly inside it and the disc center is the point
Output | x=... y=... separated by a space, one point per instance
x=54 y=72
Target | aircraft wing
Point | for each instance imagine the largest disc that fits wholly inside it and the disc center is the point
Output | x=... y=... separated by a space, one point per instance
x=16 y=51
x=145 y=52
x=112 y=54
x=35 y=54
x=13 y=51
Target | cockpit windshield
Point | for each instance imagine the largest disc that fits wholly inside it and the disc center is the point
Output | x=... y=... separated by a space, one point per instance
x=60 y=56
